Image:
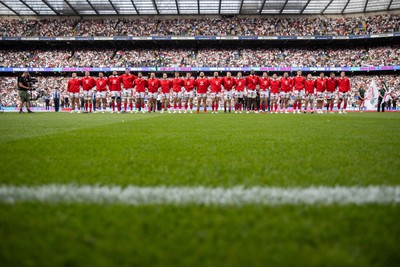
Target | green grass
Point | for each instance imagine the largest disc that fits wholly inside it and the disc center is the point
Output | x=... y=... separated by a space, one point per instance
x=209 y=150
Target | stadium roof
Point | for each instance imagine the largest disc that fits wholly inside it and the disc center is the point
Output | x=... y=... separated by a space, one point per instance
x=190 y=7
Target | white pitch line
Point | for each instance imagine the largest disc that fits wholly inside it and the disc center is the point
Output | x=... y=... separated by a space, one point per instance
x=198 y=195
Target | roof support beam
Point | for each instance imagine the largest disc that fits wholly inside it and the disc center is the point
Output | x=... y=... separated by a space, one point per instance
x=52 y=9
x=90 y=4
x=72 y=8
x=283 y=7
x=365 y=6
x=219 y=7
x=330 y=2
x=112 y=5
x=262 y=7
x=28 y=6
x=12 y=10
x=305 y=6
x=133 y=4
x=345 y=6
x=241 y=6
x=156 y=7
x=389 y=5
x=177 y=7
x=198 y=7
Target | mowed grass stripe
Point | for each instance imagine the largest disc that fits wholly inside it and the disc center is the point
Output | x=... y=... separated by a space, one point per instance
x=133 y=195
x=14 y=127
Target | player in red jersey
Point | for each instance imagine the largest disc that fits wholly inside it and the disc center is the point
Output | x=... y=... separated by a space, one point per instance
x=240 y=84
x=101 y=95
x=252 y=84
x=177 y=87
x=331 y=85
x=275 y=85
x=216 y=88
x=264 y=87
x=73 y=88
x=299 y=83
x=114 y=84
x=344 y=89
x=228 y=82
x=309 y=93
x=153 y=84
x=320 y=84
x=286 y=89
x=128 y=80
x=202 y=84
x=189 y=85
x=166 y=86
x=88 y=83
x=140 y=86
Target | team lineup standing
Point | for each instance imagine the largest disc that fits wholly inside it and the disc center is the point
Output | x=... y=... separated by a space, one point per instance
x=238 y=93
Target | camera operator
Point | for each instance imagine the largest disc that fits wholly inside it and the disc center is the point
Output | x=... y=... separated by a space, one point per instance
x=23 y=87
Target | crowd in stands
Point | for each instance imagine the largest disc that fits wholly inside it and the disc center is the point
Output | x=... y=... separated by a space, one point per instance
x=266 y=26
x=202 y=57
x=9 y=94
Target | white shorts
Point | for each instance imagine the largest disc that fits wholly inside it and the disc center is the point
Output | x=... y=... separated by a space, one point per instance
x=298 y=94
x=74 y=95
x=263 y=94
x=274 y=96
x=238 y=94
x=309 y=97
x=152 y=95
x=165 y=96
x=177 y=95
x=228 y=95
x=251 y=94
x=101 y=95
x=87 y=94
x=115 y=94
x=320 y=96
x=140 y=94
x=285 y=95
x=330 y=95
x=343 y=95
x=189 y=94
x=127 y=93
x=214 y=95
x=201 y=95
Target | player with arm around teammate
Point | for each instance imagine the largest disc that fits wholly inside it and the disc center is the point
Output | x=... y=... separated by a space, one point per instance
x=140 y=88
x=240 y=84
x=275 y=85
x=286 y=90
x=252 y=84
x=177 y=89
x=128 y=80
x=215 y=95
x=202 y=84
x=264 y=91
x=74 y=88
x=153 y=85
x=298 y=91
x=331 y=86
x=101 y=87
x=320 y=85
x=228 y=82
x=114 y=84
x=166 y=85
x=309 y=93
x=189 y=85
x=344 y=90
x=88 y=83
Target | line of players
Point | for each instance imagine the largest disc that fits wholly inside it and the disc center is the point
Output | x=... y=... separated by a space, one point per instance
x=132 y=90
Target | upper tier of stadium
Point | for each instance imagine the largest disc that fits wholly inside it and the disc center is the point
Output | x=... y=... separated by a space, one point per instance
x=191 y=7
x=201 y=26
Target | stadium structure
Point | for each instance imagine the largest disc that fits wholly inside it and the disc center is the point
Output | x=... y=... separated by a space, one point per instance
x=160 y=189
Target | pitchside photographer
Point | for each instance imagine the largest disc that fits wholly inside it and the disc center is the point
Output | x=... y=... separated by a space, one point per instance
x=24 y=85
